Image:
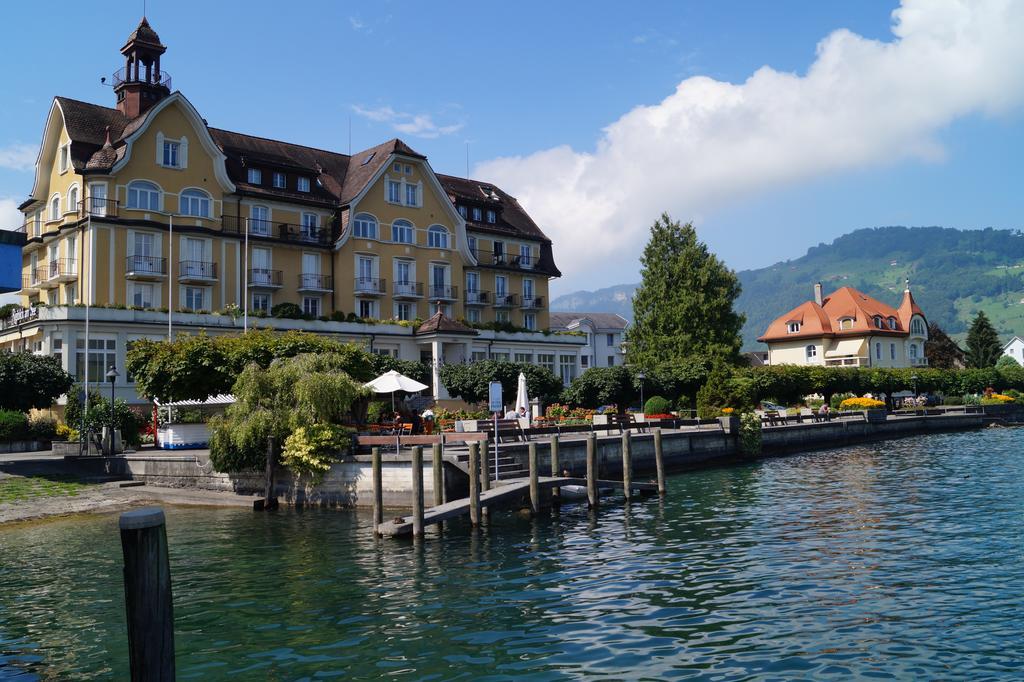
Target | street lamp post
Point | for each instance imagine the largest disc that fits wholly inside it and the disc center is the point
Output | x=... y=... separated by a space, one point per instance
x=112 y=375
x=913 y=379
x=640 y=377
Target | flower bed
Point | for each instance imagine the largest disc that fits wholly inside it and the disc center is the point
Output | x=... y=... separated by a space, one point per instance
x=861 y=404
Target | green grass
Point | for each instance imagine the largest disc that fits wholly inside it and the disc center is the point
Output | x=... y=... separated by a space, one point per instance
x=18 y=489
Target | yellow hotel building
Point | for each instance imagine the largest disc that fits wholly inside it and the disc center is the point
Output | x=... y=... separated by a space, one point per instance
x=148 y=222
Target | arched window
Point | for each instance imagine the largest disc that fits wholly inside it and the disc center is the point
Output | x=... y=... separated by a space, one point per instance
x=878 y=322
x=73 y=198
x=365 y=226
x=437 y=237
x=194 y=202
x=401 y=232
x=55 y=207
x=846 y=323
x=878 y=351
x=892 y=323
x=143 y=195
x=917 y=326
x=812 y=351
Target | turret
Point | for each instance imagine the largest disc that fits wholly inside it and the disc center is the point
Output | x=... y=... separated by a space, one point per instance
x=141 y=84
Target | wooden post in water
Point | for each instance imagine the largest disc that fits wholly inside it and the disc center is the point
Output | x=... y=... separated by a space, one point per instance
x=534 y=479
x=474 y=483
x=592 y=470
x=659 y=463
x=147 y=595
x=378 y=490
x=627 y=465
x=438 y=476
x=485 y=475
x=556 y=493
x=417 y=491
x=269 y=498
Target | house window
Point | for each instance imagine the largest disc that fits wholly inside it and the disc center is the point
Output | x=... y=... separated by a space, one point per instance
x=412 y=195
x=302 y=183
x=65 y=156
x=142 y=295
x=310 y=226
x=403 y=311
x=73 y=198
x=437 y=237
x=311 y=306
x=194 y=202
x=261 y=302
x=547 y=361
x=98 y=199
x=408 y=169
x=892 y=323
x=396 y=167
x=917 y=326
x=401 y=232
x=912 y=350
x=255 y=176
x=394 y=191
x=878 y=351
x=259 y=220
x=793 y=327
x=892 y=351
x=473 y=315
x=524 y=255
x=811 y=352
x=501 y=316
x=846 y=323
x=367 y=310
x=585 y=361
x=526 y=358
x=366 y=226
x=530 y=321
x=57 y=349
x=463 y=211
x=878 y=322
x=172 y=154
x=611 y=339
x=55 y=207
x=143 y=195
x=567 y=368
x=279 y=181
x=102 y=355
x=491 y=216
x=477 y=214
x=611 y=360
x=195 y=298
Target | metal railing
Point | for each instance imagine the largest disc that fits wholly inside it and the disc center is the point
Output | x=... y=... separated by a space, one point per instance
x=262 y=277
x=502 y=259
x=407 y=289
x=475 y=297
x=533 y=302
x=315 y=282
x=285 y=232
x=918 y=362
x=125 y=75
x=61 y=267
x=197 y=269
x=369 y=285
x=440 y=292
x=506 y=300
x=98 y=208
x=145 y=266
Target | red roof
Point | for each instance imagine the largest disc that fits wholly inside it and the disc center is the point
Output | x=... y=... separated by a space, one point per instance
x=847 y=312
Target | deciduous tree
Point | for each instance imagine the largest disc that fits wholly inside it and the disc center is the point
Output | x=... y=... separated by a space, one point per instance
x=941 y=350
x=30 y=381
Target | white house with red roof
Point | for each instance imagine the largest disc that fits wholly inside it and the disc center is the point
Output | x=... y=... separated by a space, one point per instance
x=849 y=329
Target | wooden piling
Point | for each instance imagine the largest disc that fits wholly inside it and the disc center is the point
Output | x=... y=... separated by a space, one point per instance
x=147 y=595
x=534 y=479
x=474 y=483
x=438 y=475
x=556 y=493
x=269 y=498
x=485 y=475
x=417 y=490
x=627 y=464
x=659 y=463
x=592 y=470
x=378 y=490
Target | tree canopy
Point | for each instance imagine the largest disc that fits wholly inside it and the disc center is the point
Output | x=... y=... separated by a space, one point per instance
x=29 y=381
x=941 y=350
x=983 y=345
x=470 y=381
x=684 y=304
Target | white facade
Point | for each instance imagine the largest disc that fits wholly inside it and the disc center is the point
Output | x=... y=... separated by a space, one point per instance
x=1015 y=349
x=604 y=333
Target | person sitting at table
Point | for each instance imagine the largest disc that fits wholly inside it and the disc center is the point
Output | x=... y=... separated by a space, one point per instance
x=511 y=414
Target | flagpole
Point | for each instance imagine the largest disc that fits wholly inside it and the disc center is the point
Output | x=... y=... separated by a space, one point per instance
x=245 y=283
x=82 y=435
x=170 y=275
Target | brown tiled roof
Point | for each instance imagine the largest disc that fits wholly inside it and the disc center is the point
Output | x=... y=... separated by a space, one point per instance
x=441 y=323
x=909 y=308
x=823 y=320
x=144 y=33
x=87 y=126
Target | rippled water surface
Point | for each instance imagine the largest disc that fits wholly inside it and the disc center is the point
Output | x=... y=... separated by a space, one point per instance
x=895 y=560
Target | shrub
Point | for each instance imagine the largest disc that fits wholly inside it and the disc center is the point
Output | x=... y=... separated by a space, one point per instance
x=289 y=311
x=657 y=405
x=337 y=316
x=377 y=410
x=31 y=381
x=65 y=432
x=42 y=427
x=750 y=434
x=838 y=399
x=311 y=449
x=953 y=400
x=971 y=399
x=13 y=425
x=861 y=404
x=721 y=390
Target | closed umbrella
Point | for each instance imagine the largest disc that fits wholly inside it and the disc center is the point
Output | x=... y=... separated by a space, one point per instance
x=522 y=399
x=392 y=381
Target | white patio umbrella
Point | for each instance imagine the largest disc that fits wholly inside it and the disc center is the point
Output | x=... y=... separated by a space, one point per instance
x=522 y=399
x=390 y=382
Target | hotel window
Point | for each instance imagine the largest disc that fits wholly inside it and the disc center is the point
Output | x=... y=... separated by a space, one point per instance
x=310 y=226
x=611 y=339
x=530 y=321
x=479 y=356
x=194 y=202
x=403 y=277
x=142 y=295
x=611 y=360
x=367 y=310
x=473 y=315
x=70 y=294
x=279 y=181
x=878 y=351
x=73 y=198
x=172 y=154
x=51 y=297
x=892 y=323
x=143 y=195
x=811 y=351
x=471 y=242
x=402 y=232
x=261 y=303
x=546 y=361
x=892 y=351
x=255 y=176
x=65 y=157
x=463 y=211
x=499 y=252
x=396 y=167
x=403 y=311
x=259 y=220
x=500 y=287
x=195 y=298
x=491 y=217
x=437 y=237
x=527 y=291
x=394 y=192
x=793 y=327
x=55 y=207
x=98 y=199
x=102 y=354
x=524 y=255
x=302 y=183
x=260 y=272
x=472 y=286
x=567 y=368
x=366 y=279
x=477 y=214
x=501 y=316
x=366 y=226
x=412 y=193
x=311 y=306
x=523 y=357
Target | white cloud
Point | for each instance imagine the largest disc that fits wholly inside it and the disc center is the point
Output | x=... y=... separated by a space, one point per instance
x=417 y=125
x=21 y=157
x=862 y=103
x=358 y=24
x=10 y=216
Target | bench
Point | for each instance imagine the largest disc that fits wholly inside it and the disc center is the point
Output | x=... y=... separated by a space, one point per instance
x=502 y=429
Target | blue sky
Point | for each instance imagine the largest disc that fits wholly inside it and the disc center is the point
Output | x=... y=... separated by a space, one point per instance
x=536 y=86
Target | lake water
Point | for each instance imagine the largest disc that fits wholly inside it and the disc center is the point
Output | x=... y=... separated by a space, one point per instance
x=894 y=560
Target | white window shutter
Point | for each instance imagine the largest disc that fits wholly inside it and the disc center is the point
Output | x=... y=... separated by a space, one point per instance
x=159 y=149
x=183 y=153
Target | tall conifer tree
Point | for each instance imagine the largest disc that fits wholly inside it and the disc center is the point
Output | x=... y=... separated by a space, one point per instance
x=684 y=304
x=983 y=345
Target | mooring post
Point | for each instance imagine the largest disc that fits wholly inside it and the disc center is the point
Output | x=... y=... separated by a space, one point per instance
x=474 y=483
x=269 y=499
x=627 y=465
x=534 y=479
x=378 y=490
x=592 y=470
x=147 y=595
x=485 y=476
x=438 y=476
x=659 y=463
x=556 y=493
x=417 y=490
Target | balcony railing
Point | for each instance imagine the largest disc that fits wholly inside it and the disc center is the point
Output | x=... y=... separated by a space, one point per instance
x=285 y=232
x=145 y=267
x=502 y=259
x=98 y=208
x=503 y=300
x=29 y=282
x=262 y=278
x=125 y=75
x=477 y=297
x=196 y=270
x=533 y=302
x=315 y=282
x=62 y=269
x=443 y=292
x=918 y=362
x=847 y=362
x=372 y=286
x=407 y=290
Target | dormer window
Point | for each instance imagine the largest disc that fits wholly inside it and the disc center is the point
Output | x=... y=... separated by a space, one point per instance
x=255 y=177
x=302 y=184
x=280 y=181
x=878 y=322
x=917 y=327
x=892 y=323
x=793 y=327
x=477 y=214
x=408 y=169
x=491 y=216
x=396 y=167
x=846 y=323
x=463 y=211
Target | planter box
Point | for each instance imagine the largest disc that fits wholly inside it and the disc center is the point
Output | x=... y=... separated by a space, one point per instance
x=183 y=436
x=876 y=416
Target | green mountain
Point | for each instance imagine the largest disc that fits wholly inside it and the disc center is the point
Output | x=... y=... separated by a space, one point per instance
x=953 y=273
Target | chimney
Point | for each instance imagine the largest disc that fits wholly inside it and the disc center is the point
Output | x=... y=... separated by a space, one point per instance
x=817 y=293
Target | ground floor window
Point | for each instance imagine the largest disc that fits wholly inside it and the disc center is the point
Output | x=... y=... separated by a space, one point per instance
x=311 y=306
x=611 y=360
x=473 y=315
x=530 y=321
x=195 y=298
x=70 y=294
x=392 y=352
x=584 y=361
x=812 y=351
x=567 y=368
x=501 y=316
x=261 y=302
x=501 y=357
x=479 y=355
x=142 y=295
x=102 y=356
x=367 y=309
x=403 y=311
x=524 y=357
x=51 y=297
x=547 y=361
x=57 y=349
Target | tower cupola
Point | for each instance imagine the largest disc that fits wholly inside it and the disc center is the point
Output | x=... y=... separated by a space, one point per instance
x=141 y=83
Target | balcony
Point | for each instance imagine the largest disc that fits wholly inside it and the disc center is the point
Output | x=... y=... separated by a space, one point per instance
x=501 y=259
x=315 y=282
x=503 y=300
x=57 y=271
x=29 y=283
x=848 y=362
x=369 y=286
x=918 y=362
x=145 y=268
x=125 y=75
x=98 y=208
x=477 y=297
x=532 y=303
x=407 y=290
x=262 y=278
x=283 y=232
x=197 y=271
x=443 y=292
